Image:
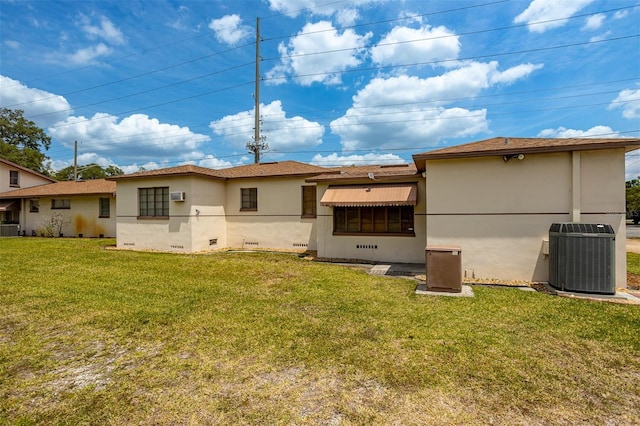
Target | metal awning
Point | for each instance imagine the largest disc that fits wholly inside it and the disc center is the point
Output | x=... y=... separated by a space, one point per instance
x=9 y=205
x=405 y=194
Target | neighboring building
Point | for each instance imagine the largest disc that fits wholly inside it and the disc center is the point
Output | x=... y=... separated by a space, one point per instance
x=497 y=199
x=12 y=177
x=86 y=207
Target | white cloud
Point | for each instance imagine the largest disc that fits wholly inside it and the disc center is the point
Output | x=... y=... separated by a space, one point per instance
x=620 y=14
x=12 y=44
x=629 y=101
x=594 y=22
x=514 y=73
x=404 y=45
x=133 y=138
x=303 y=55
x=408 y=111
x=43 y=108
x=335 y=159
x=600 y=37
x=549 y=10
x=344 y=15
x=105 y=30
x=229 y=29
x=88 y=55
x=282 y=133
x=594 y=132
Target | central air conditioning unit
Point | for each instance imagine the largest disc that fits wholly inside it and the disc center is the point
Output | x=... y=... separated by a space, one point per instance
x=582 y=257
x=177 y=196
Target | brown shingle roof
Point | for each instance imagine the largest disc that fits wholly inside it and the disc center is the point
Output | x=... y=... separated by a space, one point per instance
x=65 y=188
x=355 y=173
x=508 y=146
x=276 y=169
x=187 y=169
x=281 y=168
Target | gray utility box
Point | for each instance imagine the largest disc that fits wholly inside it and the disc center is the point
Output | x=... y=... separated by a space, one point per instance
x=581 y=257
x=444 y=268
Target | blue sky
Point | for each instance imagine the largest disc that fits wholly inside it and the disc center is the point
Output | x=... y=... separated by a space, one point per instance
x=161 y=83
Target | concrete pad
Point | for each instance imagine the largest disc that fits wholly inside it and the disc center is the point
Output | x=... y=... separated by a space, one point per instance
x=467 y=291
x=619 y=296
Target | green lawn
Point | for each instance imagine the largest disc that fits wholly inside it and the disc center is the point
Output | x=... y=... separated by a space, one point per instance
x=633 y=263
x=95 y=336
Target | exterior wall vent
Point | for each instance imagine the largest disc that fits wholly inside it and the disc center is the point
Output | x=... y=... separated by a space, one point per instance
x=177 y=196
x=367 y=246
x=581 y=257
x=300 y=245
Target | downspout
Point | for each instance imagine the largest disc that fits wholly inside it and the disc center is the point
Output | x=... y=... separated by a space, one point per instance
x=576 y=190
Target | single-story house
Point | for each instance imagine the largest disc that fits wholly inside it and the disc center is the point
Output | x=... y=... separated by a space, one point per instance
x=495 y=198
x=85 y=208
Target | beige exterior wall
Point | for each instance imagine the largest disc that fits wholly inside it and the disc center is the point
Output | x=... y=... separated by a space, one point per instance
x=277 y=223
x=195 y=224
x=25 y=179
x=402 y=249
x=500 y=212
x=81 y=218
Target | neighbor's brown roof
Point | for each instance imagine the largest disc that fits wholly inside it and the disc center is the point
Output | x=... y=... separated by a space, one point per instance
x=281 y=168
x=371 y=195
x=65 y=188
x=356 y=173
x=276 y=169
x=508 y=146
x=18 y=166
x=187 y=169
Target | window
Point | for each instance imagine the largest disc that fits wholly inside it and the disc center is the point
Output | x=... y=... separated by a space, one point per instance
x=14 y=178
x=34 y=206
x=154 y=202
x=249 y=199
x=308 y=201
x=373 y=220
x=63 y=203
x=105 y=207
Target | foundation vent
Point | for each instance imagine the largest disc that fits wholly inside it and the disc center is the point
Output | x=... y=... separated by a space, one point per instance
x=129 y=244
x=177 y=247
x=367 y=246
x=300 y=245
x=251 y=243
x=213 y=241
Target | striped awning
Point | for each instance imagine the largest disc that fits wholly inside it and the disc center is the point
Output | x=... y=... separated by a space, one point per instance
x=405 y=194
x=9 y=205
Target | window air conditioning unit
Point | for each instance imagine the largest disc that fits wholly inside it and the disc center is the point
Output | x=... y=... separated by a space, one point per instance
x=177 y=196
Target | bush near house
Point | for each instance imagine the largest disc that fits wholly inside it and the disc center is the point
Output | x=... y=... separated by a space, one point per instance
x=95 y=336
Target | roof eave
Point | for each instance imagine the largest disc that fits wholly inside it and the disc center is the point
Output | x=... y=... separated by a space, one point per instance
x=421 y=159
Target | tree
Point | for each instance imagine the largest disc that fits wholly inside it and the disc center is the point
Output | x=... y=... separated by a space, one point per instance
x=21 y=141
x=633 y=199
x=88 y=172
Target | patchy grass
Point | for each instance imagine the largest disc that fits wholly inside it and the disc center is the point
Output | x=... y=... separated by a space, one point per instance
x=633 y=263
x=95 y=336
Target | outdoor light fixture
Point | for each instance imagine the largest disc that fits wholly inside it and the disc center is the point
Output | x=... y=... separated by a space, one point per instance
x=509 y=157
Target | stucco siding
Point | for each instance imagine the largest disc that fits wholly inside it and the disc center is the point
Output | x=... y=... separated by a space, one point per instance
x=277 y=222
x=81 y=218
x=192 y=223
x=500 y=212
x=25 y=179
x=383 y=248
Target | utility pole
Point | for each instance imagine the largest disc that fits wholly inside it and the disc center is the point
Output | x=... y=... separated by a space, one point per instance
x=75 y=161
x=258 y=143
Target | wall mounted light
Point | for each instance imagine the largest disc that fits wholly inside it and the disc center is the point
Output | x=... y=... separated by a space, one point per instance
x=509 y=157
